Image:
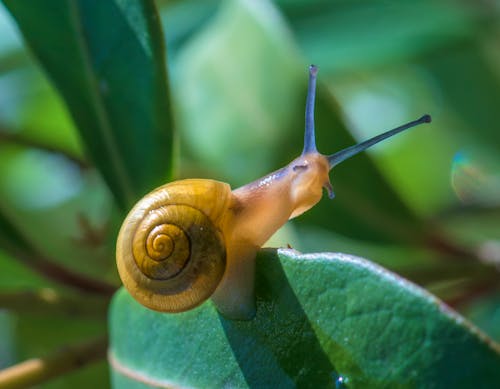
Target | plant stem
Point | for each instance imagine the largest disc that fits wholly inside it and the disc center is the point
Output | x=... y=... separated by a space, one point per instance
x=38 y=370
x=67 y=277
x=49 y=301
x=473 y=293
x=14 y=138
x=17 y=245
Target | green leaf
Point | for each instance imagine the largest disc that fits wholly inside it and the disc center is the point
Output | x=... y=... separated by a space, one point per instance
x=323 y=320
x=241 y=76
x=347 y=36
x=16 y=276
x=107 y=59
x=7 y=347
x=11 y=239
x=477 y=108
x=56 y=210
x=486 y=314
x=38 y=335
x=402 y=92
x=35 y=114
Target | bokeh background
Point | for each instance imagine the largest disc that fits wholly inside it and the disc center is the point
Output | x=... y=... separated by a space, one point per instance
x=425 y=204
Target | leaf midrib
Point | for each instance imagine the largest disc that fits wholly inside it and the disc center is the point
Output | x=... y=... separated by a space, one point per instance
x=100 y=108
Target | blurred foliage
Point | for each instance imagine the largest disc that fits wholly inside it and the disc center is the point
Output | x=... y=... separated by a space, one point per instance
x=425 y=204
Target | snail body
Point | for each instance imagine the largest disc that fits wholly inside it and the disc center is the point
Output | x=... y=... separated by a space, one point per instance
x=194 y=239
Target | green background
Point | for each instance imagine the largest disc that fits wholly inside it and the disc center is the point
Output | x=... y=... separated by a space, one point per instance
x=94 y=113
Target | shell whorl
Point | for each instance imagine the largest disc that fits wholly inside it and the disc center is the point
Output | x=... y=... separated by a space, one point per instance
x=170 y=250
x=160 y=247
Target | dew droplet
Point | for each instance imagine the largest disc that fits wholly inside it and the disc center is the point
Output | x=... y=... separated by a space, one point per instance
x=340 y=381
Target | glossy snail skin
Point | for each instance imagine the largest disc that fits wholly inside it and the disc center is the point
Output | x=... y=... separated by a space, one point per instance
x=195 y=239
x=261 y=208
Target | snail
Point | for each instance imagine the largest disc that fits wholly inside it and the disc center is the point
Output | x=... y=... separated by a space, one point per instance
x=194 y=239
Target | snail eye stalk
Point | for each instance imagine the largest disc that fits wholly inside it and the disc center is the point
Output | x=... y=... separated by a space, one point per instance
x=309 y=135
x=342 y=155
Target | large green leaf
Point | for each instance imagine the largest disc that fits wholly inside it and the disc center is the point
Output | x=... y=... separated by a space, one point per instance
x=107 y=60
x=323 y=320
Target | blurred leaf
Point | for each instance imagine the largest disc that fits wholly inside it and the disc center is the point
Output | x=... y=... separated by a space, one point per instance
x=31 y=109
x=402 y=92
x=38 y=336
x=28 y=140
x=62 y=212
x=368 y=328
x=345 y=36
x=463 y=67
x=12 y=61
x=95 y=375
x=33 y=114
x=52 y=331
x=107 y=59
x=473 y=227
x=27 y=170
x=16 y=277
x=486 y=314
x=7 y=344
x=242 y=76
x=14 y=242
x=9 y=41
x=181 y=20
x=10 y=238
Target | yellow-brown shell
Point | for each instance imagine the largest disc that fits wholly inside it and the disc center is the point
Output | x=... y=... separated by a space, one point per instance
x=170 y=250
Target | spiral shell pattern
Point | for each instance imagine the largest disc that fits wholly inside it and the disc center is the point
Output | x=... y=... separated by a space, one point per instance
x=161 y=248
x=170 y=250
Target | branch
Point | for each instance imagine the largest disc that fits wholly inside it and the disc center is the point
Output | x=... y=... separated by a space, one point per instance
x=16 y=245
x=473 y=293
x=48 y=301
x=56 y=272
x=7 y=136
x=443 y=245
x=67 y=277
x=39 y=370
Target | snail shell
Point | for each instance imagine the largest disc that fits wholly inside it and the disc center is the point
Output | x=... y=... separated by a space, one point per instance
x=170 y=250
